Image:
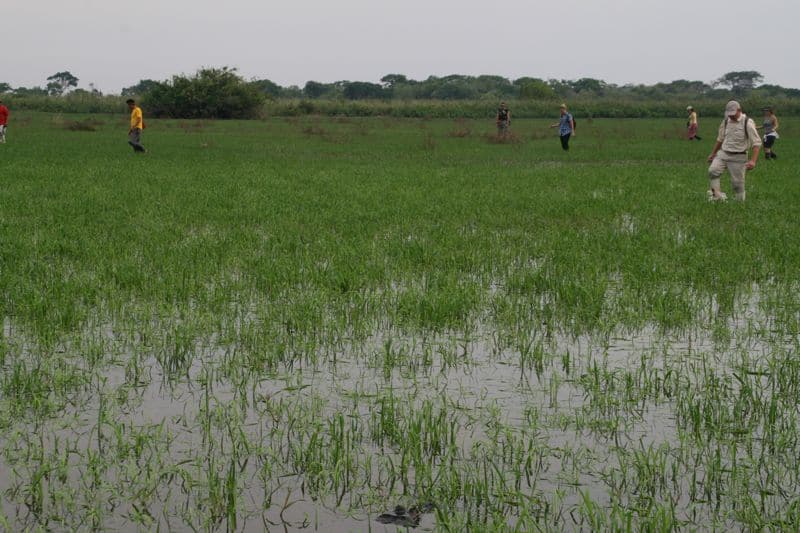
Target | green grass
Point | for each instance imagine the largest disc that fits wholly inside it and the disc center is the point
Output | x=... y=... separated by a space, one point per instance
x=308 y=321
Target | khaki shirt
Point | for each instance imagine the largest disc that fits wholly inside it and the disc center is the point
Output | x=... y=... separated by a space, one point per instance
x=733 y=137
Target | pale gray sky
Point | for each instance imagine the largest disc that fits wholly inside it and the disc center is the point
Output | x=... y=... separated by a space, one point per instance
x=114 y=44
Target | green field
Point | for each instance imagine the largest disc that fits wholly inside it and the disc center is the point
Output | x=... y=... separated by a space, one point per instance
x=305 y=322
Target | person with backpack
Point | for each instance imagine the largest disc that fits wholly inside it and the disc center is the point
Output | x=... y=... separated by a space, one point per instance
x=566 y=127
x=503 y=119
x=737 y=134
x=770 y=127
x=137 y=125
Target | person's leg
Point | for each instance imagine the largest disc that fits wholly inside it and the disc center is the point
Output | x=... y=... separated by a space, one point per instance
x=768 y=142
x=565 y=142
x=737 y=171
x=134 y=139
x=2 y=134
x=715 y=170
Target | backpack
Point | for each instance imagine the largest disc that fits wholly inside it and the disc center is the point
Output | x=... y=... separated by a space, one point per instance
x=746 y=131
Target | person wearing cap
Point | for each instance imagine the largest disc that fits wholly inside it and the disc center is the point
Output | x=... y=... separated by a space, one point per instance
x=770 y=127
x=691 y=124
x=3 y=121
x=503 y=119
x=566 y=127
x=737 y=134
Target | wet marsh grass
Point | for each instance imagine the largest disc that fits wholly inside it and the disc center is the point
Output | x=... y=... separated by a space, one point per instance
x=286 y=330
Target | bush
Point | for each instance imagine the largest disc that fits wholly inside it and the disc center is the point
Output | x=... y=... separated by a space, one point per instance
x=211 y=93
x=71 y=103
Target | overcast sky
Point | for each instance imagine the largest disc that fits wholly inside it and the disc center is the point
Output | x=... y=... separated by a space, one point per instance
x=114 y=44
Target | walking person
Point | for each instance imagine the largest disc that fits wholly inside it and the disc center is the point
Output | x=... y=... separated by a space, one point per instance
x=3 y=121
x=737 y=134
x=691 y=124
x=137 y=125
x=770 y=127
x=566 y=127
x=503 y=119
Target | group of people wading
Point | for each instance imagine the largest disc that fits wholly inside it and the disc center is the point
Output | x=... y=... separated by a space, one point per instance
x=565 y=125
x=737 y=136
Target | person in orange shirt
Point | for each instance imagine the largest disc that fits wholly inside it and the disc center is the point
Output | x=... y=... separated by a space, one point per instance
x=3 y=121
x=137 y=125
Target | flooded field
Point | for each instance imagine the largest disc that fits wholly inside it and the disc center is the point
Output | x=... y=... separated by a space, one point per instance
x=374 y=325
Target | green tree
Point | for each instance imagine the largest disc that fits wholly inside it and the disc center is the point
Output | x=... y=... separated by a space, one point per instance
x=5 y=87
x=562 y=88
x=361 y=90
x=534 y=89
x=61 y=82
x=740 y=82
x=390 y=81
x=589 y=85
x=268 y=87
x=210 y=93
x=140 y=89
x=30 y=91
x=683 y=87
x=314 y=89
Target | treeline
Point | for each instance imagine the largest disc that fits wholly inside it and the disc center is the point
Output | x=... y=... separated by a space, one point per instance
x=460 y=87
x=581 y=107
x=222 y=93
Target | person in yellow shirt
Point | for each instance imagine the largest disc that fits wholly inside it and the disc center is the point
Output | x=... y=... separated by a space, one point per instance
x=137 y=125
x=691 y=124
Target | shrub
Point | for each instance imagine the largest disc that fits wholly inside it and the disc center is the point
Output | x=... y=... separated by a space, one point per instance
x=210 y=93
x=83 y=125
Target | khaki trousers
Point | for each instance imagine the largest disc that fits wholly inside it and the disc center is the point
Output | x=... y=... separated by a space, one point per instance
x=735 y=164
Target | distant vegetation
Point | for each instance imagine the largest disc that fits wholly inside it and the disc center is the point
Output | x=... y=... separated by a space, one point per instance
x=222 y=93
x=211 y=93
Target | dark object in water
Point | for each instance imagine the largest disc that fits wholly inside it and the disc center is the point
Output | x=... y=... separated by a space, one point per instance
x=405 y=518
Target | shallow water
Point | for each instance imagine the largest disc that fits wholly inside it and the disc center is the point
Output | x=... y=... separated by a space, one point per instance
x=214 y=415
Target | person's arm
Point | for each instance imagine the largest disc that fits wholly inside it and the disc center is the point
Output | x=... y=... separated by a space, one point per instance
x=718 y=144
x=508 y=117
x=714 y=151
x=572 y=125
x=774 y=123
x=752 y=163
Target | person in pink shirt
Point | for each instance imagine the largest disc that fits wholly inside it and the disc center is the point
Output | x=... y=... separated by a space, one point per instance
x=3 y=121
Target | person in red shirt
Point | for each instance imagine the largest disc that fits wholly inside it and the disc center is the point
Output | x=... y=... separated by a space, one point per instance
x=3 y=121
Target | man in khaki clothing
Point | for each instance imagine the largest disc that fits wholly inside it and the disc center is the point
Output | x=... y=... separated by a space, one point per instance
x=737 y=134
